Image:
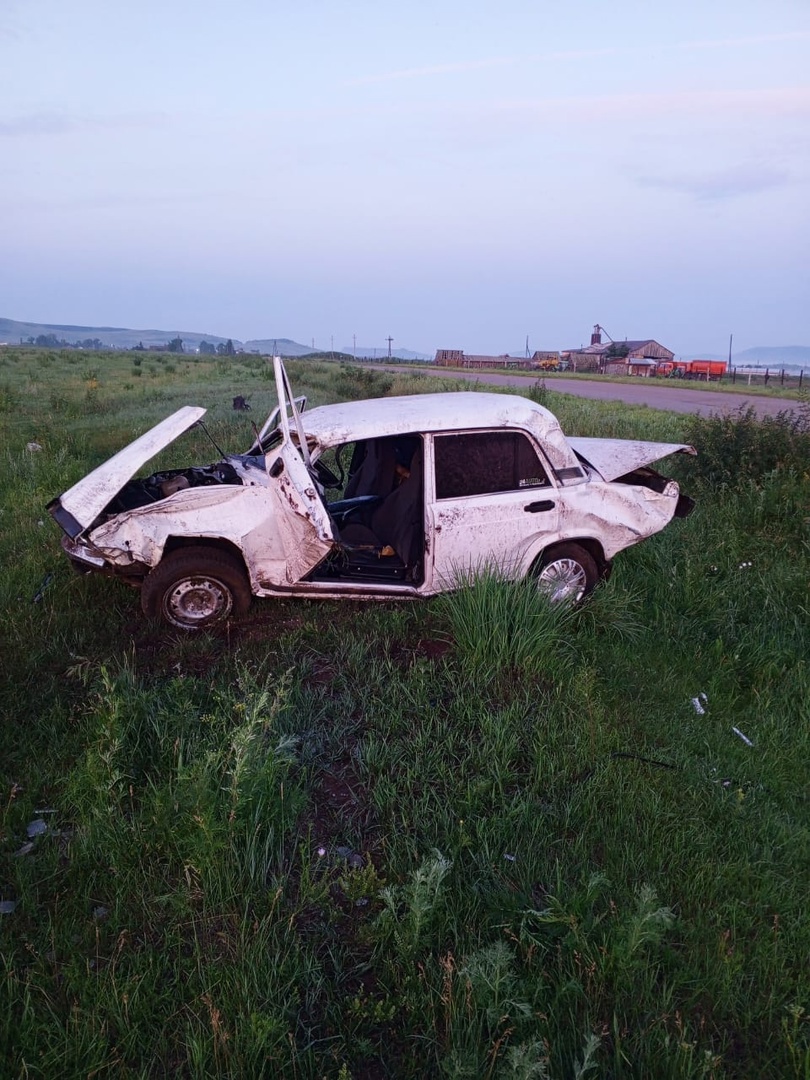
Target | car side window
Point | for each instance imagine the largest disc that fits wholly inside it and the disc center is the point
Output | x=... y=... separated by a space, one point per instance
x=484 y=462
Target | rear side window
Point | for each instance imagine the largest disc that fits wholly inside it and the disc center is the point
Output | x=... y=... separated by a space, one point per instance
x=484 y=462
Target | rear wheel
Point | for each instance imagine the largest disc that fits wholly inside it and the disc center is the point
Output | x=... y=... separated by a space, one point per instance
x=195 y=588
x=567 y=573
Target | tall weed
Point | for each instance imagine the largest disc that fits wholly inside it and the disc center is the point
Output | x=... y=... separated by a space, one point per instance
x=502 y=627
x=737 y=448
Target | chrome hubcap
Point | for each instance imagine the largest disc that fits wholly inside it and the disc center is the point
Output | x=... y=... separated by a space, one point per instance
x=197 y=601
x=563 y=579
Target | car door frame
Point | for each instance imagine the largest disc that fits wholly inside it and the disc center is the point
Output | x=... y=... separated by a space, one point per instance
x=303 y=521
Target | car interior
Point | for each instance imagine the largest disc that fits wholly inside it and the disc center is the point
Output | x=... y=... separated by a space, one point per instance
x=377 y=510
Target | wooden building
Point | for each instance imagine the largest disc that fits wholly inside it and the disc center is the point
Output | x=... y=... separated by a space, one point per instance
x=449 y=357
x=637 y=357
x=458 y=358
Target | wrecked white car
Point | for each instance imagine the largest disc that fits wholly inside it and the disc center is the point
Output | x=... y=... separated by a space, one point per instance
x=384 y=498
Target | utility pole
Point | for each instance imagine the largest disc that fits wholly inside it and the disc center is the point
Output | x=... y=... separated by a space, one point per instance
x=389 y=339
x=527 y=346
x=332 y=346
x=354 y=346
x=730 y=339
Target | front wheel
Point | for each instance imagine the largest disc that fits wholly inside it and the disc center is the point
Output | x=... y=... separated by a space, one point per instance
x=566 y=574
x=196 y=588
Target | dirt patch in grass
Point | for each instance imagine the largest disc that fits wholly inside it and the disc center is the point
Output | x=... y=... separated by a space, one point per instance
x=433 y=648
x=341 y=804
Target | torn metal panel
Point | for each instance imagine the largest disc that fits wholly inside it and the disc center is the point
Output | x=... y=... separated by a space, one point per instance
x=300 y=516
x=224 y=513
x=613 y=458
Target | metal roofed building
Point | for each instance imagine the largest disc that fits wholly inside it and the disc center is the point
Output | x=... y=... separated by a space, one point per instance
x=637 y=357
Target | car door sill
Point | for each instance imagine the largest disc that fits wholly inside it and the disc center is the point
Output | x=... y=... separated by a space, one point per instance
x=336 y=589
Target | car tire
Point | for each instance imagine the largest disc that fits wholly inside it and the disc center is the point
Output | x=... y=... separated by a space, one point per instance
x=566 y=573
x=196 y=588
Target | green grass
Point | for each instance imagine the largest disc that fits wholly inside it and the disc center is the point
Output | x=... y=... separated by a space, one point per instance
x=465 y=838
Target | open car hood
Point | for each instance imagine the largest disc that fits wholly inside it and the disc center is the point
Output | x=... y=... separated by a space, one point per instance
x=79 y=506
x=613 y=458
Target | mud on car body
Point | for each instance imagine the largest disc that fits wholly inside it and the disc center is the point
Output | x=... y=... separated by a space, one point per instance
x=374 y=499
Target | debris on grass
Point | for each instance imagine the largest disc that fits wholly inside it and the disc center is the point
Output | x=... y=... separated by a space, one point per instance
x=35 y=599
x=7 y=906
x=37 y=827
x=740 y=735
x=700 y=704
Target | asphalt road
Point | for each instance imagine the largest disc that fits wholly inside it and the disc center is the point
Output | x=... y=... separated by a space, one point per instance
x=673 y=396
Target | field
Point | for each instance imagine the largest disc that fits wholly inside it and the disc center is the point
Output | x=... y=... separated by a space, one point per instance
x=472 y=837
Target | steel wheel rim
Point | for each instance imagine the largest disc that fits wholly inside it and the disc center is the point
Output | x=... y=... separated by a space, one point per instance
x=197 y=601
x=563 y=579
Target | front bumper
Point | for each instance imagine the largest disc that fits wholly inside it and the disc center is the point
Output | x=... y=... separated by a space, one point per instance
x=86 y=559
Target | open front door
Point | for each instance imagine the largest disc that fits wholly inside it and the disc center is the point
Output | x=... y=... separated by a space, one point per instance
x=303 y=523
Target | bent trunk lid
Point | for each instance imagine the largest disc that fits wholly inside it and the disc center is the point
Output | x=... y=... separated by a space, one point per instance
x=613 y=458
x=79 y=506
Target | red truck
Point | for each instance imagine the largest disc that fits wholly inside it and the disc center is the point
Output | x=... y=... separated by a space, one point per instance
x=707 y=370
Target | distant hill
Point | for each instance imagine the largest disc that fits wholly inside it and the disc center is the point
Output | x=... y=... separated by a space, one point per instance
x=119 y=337
x=774 y=356
x=369 y=352
x=281 y=346
x=111 y=337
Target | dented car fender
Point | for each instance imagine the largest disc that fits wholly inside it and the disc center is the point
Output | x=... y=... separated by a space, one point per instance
x=618 y=515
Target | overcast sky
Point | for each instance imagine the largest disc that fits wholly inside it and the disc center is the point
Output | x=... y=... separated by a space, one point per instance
x=455 y=174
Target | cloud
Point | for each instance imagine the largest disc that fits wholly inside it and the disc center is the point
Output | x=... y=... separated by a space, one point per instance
x=10 y=27
x=741 y=42
x=720 y=184
x=60 y=124
x=39 y=124
x=119 y=200
x=784 y=101
x=460 y=68
x=463 y=67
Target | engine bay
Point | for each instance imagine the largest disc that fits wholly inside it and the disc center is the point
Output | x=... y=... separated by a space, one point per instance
x=151 y=489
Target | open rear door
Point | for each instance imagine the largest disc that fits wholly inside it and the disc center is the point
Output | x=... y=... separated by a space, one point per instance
x=303 y=521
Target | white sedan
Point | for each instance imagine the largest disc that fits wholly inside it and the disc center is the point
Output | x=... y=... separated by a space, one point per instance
x=374 y=499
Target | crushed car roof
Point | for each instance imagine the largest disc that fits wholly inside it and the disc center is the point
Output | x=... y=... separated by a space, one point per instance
x=452 y=411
